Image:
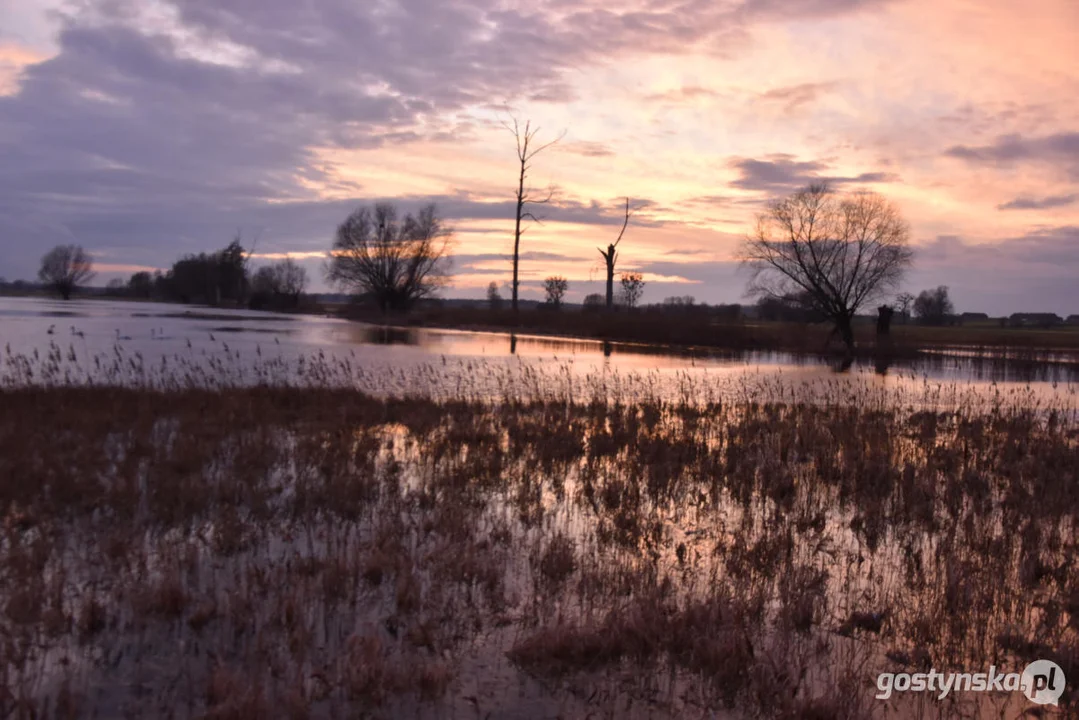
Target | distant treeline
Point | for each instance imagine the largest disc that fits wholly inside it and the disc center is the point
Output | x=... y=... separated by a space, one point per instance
x=225 y=278
x=221 y=278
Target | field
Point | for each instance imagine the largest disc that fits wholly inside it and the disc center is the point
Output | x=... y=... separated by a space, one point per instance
x=325 y=552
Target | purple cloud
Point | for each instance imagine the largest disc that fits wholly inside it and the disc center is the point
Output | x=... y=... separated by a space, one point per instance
x=1060 y=149
x=796 y=96
x=1027 y=203
x=781 y=173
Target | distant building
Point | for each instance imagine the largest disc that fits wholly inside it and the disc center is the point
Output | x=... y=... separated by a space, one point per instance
x=1072 y=320
x=1034 y=320
x=968 y=317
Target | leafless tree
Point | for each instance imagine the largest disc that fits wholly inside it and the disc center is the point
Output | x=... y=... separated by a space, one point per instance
x=292 y=276
x=394 y=262
x=610 y=256
x=65 y=268
x=839 y=251
x=286 y=279
x=494 y=297
x=555 y=287
x=141 y=284
x=632 y=288
x=905 y=301
x=526 y=151
x=934 y=307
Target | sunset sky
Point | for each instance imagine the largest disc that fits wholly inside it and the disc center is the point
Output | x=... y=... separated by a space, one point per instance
x=145 y=129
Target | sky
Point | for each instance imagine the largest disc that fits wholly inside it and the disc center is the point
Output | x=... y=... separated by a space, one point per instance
x=147 y=129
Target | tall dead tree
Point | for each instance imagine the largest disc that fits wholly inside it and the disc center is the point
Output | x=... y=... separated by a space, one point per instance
x=525 y=195
x=610 y=256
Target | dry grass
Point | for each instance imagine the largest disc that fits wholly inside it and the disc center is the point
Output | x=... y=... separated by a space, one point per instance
x=326 y=552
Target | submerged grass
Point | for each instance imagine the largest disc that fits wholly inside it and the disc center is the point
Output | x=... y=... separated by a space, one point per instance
x=322 y=551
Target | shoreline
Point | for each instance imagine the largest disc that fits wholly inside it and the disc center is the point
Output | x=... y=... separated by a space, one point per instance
x=693 y=332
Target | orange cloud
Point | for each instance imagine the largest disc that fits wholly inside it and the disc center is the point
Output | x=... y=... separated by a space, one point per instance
x=13 y=59
x=307 y=255
x=122 y=268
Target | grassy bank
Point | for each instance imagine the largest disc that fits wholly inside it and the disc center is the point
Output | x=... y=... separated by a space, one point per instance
x=250 y=553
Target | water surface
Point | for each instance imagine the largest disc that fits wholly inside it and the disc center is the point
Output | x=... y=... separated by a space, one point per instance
x=85 y=333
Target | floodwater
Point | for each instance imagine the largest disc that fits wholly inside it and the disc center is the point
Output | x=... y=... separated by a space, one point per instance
x=156 y=335
x=861 y=573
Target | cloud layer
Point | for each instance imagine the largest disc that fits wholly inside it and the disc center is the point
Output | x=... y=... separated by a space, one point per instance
x=145 y=129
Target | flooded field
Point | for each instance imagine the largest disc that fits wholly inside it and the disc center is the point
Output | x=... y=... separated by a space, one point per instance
x=301 y=518
x=141 y=343
x=224 y=553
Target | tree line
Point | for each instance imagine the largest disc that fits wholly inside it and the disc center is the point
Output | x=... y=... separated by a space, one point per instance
x=218 y=278
x=929 y=307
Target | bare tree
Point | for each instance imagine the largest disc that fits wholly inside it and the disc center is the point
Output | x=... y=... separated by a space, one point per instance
x=292 y=276
x=285 y=280
x=65 y=268
x=904 y=301
x=632 y=288
x=141 y=284
x=933 y=307
x=494 y=297
x=610 y=256
x=555 y=287
x=840 y=252
x=395 y=263
x=526 y=151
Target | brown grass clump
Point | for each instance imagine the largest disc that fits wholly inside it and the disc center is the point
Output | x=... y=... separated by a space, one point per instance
x=706 y=637
x=92 y=617
x=230 y=695
x=558 y=561
x=165 y=597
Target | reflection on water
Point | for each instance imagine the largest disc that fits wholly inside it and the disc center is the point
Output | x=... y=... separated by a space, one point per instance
x=988 y=368
x=156 y=332
x=933 y=366
x=881 y=363
x=384 y=335
x=242 y=329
